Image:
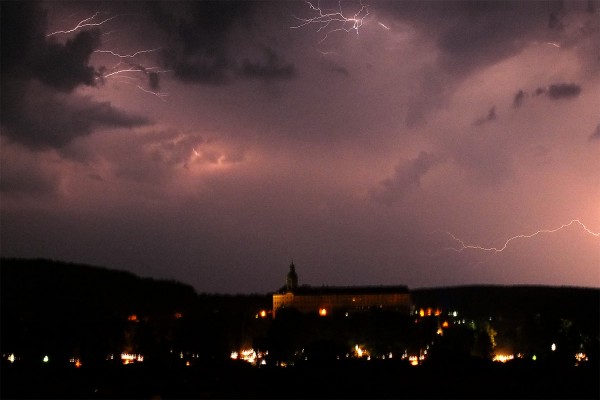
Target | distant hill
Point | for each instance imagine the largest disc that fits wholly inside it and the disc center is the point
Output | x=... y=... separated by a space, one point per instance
x=52 y=306
x=46 y=286
x=516 y=300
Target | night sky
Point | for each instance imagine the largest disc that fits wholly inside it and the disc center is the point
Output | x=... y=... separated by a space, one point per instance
x=243 y=136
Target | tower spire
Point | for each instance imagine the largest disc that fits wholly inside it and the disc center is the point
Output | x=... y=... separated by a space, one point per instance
x=292 y=278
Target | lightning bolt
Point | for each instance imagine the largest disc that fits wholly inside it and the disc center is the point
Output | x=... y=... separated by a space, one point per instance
x=334 y=19
x=118 y=71
x=160 y=95
x=463 y=246
x=84 y=24
x=114 y=53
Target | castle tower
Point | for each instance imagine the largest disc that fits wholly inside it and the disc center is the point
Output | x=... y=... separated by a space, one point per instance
x=292 y=279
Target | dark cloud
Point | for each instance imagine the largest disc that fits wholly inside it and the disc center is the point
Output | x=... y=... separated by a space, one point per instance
x=65 y=67
x=472 y=34
x=38 y=76
x=28 y=54
x=272 y=68
x=23 y=28
x=518 y=100
x=564 y=90
x=555 y=20
x=559 y=91
x=596 y=134
x=406 y=178
x=197 y=32
x=44 y=118
x=554 y=92
x=491 y=116
x=200 y=42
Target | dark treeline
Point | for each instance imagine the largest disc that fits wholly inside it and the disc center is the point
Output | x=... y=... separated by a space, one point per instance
x=63 y=310
x=517 y=300
x=60 y=309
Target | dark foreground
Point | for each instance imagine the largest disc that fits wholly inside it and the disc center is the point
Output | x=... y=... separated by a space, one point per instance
x=338 y=380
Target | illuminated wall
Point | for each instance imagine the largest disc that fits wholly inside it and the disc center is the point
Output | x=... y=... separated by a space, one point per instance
x=350 y=299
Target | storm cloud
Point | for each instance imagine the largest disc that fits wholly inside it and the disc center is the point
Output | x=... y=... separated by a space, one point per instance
x=350 y=153
x=406 y=179
x=519 y=98
x=43 y=118
x=596 y=134
x=272 y=68
x=564 y=90
x=28 y=54
x=38 y=75
x=200 y=46
x=556 y=91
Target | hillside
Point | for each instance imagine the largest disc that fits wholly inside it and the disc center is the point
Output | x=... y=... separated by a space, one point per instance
x=514 y=300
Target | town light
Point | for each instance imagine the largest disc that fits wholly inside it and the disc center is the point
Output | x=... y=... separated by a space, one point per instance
x=503 y=357
x=322 y=312
x=128 y=358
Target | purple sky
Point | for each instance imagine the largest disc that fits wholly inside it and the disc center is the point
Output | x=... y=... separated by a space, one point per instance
x=357 y=154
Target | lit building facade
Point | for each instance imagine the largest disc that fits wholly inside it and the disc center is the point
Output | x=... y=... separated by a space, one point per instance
x=330 y=299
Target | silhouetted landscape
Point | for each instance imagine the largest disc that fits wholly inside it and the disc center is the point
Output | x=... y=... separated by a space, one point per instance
x=76 y=331
x=431 y=166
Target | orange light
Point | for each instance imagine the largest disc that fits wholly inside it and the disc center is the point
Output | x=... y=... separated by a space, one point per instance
x=132 y=317
x=429 y=312
x=322 y=312
x=445 y=324
x=503 y=357
x=77 y=364
x=422 y=312
x=437 y=312
x=263 y=313
x=178 y=315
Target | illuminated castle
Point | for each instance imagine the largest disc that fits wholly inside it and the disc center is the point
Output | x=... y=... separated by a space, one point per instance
x=330 y=299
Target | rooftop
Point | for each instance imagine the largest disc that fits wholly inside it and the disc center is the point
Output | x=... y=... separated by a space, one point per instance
x=326 y=290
